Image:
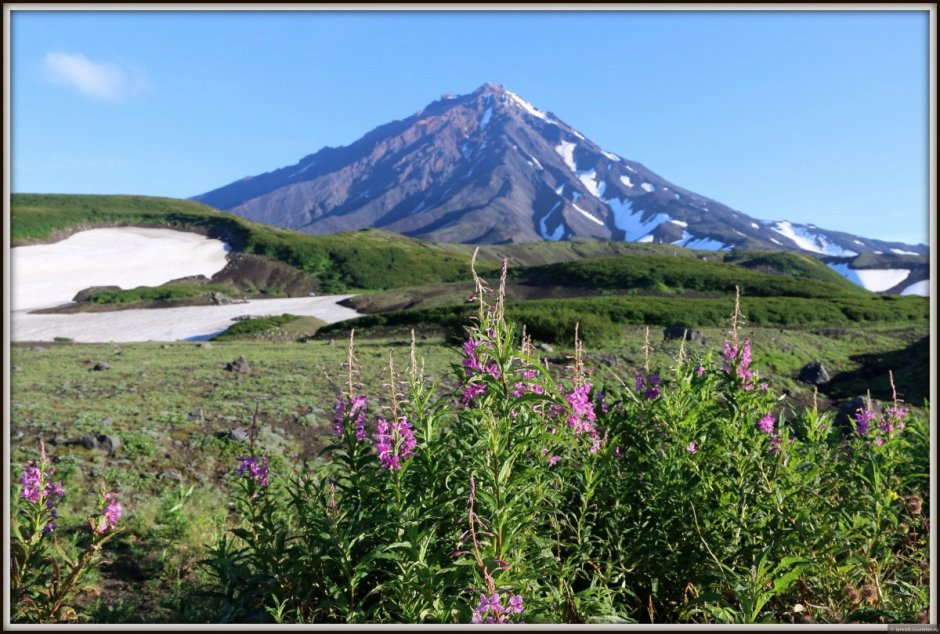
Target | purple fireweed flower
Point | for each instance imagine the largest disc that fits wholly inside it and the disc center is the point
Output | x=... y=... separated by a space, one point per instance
x=30 y=482
x=596 y=442
x=395 y=442
x=738 y=359
x=552 y=460
x=490 y=604
x=699 y=370
x=691 y=448
x=766 y=424
x=351 y=410
x=879 y=441
x=863 y=418
x=617 y=451
x=472 y=391
x=896 y=415
x=582 y=416
x=522 y=387
x=775 y=444
x=110 y=515
x=763 y=386
x=651 y=385
x=745 y=361
x=491 y=610
x=37 y=488
x=472 y=362
x=255 y=469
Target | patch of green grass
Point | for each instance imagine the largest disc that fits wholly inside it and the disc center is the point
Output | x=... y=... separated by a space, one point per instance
x=281 y=327
x=667 y=274
x=164 y=293
x=555 y=318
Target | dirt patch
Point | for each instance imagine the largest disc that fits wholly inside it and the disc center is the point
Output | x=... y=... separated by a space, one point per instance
x=253 y=273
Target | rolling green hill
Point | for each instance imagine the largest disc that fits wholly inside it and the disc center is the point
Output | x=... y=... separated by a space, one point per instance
x=368 y=259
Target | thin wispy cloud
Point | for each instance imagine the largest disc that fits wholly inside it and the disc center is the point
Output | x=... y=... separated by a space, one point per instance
x=99 y=80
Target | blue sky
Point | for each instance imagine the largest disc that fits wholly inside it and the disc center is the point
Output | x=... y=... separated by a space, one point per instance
x=807 y=116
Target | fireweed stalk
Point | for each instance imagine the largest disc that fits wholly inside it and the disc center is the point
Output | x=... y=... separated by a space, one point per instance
x=41 y=587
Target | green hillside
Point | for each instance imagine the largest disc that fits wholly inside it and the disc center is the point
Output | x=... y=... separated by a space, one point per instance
x=355 y=260
x=765 y=275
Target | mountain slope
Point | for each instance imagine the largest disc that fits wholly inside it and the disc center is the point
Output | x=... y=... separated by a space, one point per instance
x=490 y=168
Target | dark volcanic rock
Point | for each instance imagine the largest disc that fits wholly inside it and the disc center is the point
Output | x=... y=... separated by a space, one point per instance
x=101 y=366
x=104 y=442
x=678 y=332
x=814 y=373
x=108 y=443
x=83 y=295
x=239 y=365
x=238 y=435
x=171 y=474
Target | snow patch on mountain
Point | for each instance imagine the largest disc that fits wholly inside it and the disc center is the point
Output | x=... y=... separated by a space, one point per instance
x=588 y=215
x=648 y=187
x=877 y=280
x=631 y=222
x=690 y=241
x=566 y=151
x=592 y=183
x=610 y=155
x=559 y=231
x=486 y=117
x=525 y=105
x=626 y=180
x=681 y=223
x=303 y=169
x=921 y=288
x=903 y=252
x=808 y=240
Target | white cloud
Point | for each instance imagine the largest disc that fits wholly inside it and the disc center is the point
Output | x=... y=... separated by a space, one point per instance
x=106 y=81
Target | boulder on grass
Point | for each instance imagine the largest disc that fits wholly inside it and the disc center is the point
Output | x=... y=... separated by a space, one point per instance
x=814 y=373
x=239 y=365
x=678 y=332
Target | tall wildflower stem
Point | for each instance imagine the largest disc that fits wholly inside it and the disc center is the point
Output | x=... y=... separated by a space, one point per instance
x=350 y=363
x=736 y=317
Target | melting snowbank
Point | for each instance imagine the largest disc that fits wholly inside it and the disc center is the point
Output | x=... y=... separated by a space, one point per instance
x=51 y=274
x=48 y=275
x=921 y=288
x=876 y=280
x=193 y=323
